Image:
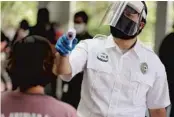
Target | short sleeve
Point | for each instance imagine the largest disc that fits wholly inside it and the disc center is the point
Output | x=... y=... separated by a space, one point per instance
x=69 y=110
x=72 y=112
x=77 y=59
x=158 y=95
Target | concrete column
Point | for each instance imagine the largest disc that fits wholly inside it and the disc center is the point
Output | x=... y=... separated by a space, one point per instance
x=60 y=12
x=161 y=23
x=42 y=4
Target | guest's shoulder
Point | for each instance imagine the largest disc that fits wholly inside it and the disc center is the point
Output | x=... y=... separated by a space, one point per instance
x=66 y=108
x=7 y=94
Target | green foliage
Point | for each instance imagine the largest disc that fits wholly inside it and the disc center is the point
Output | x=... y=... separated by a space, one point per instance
x=12 y=12
x=148 y=34
x=95 y=11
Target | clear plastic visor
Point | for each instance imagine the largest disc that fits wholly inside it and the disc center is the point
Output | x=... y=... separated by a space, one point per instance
x=124 y=16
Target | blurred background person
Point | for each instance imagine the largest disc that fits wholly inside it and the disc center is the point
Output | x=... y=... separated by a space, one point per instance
x=5 y=49
x=72 y=89
x=31 y=61
x=80 y=25
x=166 y=55
x=22 y=31
x=43 y=28
x=57 y=29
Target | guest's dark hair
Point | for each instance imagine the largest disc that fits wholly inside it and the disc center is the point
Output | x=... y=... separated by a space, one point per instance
x=31 y=62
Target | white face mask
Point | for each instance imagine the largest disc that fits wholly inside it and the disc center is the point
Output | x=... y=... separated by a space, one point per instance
x=80 y=28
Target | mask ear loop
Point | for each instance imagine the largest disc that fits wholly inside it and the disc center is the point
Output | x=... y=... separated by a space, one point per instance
x=141 y=16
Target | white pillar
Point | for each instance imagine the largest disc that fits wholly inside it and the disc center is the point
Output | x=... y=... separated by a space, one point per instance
x=60 y=12
x=42 y=4
x=161 y=23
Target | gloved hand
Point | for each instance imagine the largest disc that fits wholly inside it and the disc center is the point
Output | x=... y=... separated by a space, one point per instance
x=63 y=45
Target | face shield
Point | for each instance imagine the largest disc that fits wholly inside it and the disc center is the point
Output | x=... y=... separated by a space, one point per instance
x=125 y=16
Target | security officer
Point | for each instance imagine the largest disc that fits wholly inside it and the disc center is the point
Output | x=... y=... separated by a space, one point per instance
x=121 y=76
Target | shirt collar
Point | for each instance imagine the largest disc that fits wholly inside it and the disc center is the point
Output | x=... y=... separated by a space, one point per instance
x=137 y=47
x=110 y=42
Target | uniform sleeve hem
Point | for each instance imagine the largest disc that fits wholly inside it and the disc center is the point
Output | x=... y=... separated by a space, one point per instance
x=159 y=106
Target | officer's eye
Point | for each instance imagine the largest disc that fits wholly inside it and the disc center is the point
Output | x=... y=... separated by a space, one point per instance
x=128 y=14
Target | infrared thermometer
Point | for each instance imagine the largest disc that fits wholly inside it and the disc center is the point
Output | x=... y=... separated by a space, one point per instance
x=71 y=34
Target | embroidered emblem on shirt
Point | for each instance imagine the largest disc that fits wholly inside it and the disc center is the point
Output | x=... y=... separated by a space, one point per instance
x=103 y=57
x=144 y=68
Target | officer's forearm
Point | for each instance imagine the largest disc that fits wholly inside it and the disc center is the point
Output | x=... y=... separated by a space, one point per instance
x=158 y=112
x=63 y=65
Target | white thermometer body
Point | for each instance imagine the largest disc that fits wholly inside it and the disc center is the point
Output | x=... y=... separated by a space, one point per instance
x=71 y=34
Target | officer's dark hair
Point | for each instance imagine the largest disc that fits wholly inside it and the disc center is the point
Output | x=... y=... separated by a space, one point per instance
x=143 y=19
x=145 y=8
x=30 y=62
x=83 y=15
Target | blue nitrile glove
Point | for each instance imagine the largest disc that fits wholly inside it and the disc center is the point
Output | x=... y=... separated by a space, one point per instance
x=63 y=45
